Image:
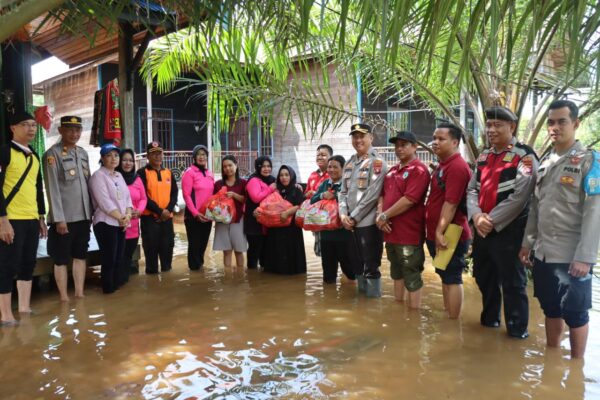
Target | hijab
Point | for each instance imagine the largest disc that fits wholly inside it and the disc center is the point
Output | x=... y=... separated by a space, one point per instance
x=257 y=166
x=289 y=192
x=128 y=176
x=195 y=151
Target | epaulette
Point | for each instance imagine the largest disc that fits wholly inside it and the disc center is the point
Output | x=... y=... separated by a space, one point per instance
x=524 y=150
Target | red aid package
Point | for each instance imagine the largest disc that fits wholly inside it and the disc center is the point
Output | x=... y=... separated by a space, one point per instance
x=219 y=207
x=302 y=212
x=270 y=210
x=323 y=216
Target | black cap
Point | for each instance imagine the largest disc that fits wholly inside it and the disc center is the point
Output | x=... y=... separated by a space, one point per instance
x=19 y=117
x=360 y=128
x=404 y=135
x=501 y=113
x=153 y=147
x=70 y=120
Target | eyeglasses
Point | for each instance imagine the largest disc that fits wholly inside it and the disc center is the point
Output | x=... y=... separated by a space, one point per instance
x=30 y=125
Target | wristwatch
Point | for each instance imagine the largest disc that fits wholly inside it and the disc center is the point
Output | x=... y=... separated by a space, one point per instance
x=383 y=217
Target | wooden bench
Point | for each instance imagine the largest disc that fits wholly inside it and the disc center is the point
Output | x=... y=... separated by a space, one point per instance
x=45 y=266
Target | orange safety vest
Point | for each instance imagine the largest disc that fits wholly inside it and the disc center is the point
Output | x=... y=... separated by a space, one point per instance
x=159 y=190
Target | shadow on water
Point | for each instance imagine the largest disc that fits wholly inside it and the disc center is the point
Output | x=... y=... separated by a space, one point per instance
x=226 y=333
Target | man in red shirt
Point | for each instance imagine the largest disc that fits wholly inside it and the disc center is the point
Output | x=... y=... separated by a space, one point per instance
x=324 y=152
x=447 y=204
x=401 y=216
x=498 y=202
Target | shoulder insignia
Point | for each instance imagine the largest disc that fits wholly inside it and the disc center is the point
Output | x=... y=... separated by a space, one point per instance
x=377 y=166
x=527 y=165
x=51 y=161
x=591 y=183
x=527 y=161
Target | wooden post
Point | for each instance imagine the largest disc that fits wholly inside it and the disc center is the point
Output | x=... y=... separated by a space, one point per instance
x=126 y=83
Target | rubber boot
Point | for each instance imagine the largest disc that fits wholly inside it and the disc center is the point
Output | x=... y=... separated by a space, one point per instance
x=134 y=267
x=373 y=287
x=361 y=283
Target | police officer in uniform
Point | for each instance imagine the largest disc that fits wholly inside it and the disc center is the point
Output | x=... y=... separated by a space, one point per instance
x=498 y=202
x=66 y=172
x=562 y=230
x=362 y=182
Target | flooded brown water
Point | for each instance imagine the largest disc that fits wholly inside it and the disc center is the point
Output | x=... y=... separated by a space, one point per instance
x=233 y=334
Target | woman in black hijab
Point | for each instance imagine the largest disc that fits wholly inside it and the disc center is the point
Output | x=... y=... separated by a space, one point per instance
x=285 y=246
x=257 y=188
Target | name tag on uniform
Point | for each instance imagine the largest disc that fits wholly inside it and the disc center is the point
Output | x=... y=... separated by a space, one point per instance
x=567 y=180
x=508 y=157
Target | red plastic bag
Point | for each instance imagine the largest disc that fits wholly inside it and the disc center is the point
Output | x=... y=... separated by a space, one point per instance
x=323 y=216
x=302 y=212
x=270 y=210
x=219 y=207
x=43 y=117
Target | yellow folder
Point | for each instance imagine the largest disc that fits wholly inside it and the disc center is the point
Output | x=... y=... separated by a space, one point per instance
x=452 y=235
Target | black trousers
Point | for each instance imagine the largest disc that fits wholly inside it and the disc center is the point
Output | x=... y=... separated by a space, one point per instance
x=369 y=250
x=130 y=245
x=197 y=235
x=499 y=273
x=19 y=257
x=334 y=252
x=256 y=250
x=111 y=241
x=158 y=239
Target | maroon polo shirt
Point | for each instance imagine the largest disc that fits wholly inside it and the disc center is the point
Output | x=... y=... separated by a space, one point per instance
x=240 y=188
x=448 y=183
x=410 y=181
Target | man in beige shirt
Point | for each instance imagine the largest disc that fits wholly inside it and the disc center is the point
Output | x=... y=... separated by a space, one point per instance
x=561 y=237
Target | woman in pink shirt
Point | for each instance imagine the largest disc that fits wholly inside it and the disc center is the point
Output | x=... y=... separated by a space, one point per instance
x=197 y=185
x=112 y=214
x=137 y=191
x=257 y=188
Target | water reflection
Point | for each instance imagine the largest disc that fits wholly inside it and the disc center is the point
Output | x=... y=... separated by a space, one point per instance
x=232 y=333
x=247 y=373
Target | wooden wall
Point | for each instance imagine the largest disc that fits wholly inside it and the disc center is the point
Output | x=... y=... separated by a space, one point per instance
x=73 y=95
x=293 y=148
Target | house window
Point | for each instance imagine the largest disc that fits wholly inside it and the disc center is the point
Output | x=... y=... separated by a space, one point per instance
x=266 y=139
x=398 y=119
x=162 y=127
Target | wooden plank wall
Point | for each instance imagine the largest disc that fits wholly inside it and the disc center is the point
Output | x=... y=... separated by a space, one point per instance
x=291 y=147
x=73 y=95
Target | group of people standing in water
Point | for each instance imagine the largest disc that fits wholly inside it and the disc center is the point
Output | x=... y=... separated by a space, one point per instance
x=512 y=209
